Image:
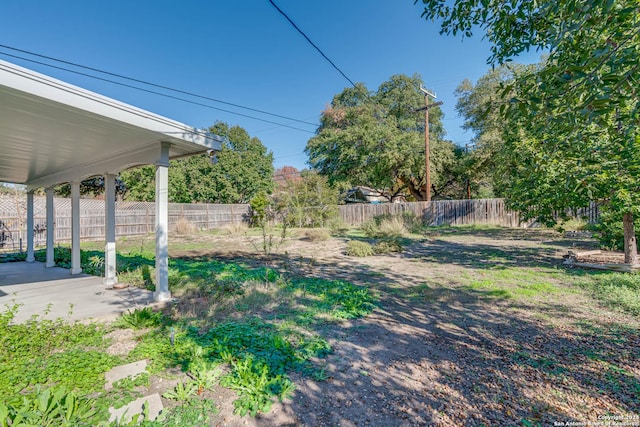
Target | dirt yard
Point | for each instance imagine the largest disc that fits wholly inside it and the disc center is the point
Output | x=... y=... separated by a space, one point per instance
x=473 y=327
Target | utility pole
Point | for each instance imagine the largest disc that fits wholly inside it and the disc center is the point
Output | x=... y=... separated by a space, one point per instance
x=427 y=94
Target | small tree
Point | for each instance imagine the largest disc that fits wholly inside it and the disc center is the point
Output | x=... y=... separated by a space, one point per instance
x=265 y=214
x=309 y=201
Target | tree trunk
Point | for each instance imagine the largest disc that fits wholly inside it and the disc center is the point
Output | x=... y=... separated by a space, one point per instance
x=630 y=244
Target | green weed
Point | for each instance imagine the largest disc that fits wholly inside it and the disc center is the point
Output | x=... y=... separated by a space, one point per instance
x=51 y=351
x=140 y=318
x=256 y=386
x=182 y=392
x=54 y=406
x=260 y=354
x=194 y=412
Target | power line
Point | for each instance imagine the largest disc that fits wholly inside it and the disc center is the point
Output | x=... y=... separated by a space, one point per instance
x=195 y=95
x=311 y=43
x=155 y=92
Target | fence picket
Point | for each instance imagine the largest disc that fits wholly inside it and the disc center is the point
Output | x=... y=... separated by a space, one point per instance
x=138 y=218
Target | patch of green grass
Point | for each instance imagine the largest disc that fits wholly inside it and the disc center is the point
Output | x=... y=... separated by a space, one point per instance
x=542 y=363
x=51 y=351
x=535 y=289
x=524 y=290
x=616 y=290
x=339 y=299
x=516 y=282
x=420 y=292
x=260 y=352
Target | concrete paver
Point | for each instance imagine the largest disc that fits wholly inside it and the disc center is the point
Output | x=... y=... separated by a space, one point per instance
x=129 y=370
x=153 y=403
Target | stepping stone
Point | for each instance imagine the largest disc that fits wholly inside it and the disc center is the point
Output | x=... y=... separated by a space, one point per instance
x=129 y=370
x=127 y=412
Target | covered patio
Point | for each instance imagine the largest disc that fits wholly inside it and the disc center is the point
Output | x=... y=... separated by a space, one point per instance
x=52 y=293
x=52 y=132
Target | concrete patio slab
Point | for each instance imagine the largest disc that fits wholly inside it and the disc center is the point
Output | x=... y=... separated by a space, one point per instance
x=56 y=292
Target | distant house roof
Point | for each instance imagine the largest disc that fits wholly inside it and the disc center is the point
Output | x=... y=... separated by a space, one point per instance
x=363 y=194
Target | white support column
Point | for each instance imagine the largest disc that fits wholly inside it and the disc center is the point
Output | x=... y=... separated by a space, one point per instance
x=30 y=213
x=110 y=277
x=50 y=228
x=162 y=225
x=76 y=268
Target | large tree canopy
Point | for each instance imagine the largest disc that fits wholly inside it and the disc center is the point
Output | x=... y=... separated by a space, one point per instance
x=376 y=139
x=242 y=168
x=479 y=104
x=571 y=125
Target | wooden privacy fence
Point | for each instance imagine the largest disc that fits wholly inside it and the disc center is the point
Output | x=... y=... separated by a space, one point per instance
x=132 y=218
x=452 y=212
x=138 y=218
x=441 y=212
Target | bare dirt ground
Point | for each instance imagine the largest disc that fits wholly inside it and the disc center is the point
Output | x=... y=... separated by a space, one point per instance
x=440 y=351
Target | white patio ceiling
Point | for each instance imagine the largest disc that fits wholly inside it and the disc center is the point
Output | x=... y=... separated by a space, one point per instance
x=53 y=132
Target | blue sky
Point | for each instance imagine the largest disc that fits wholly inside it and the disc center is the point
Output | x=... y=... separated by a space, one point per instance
x=246 y=53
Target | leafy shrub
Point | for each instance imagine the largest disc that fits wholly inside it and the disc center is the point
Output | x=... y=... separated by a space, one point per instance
x=61 y=256
x=308 y=202
x=13 y=257
x=359 y=249
x=391 y=227
x=370 y=228
x=94 y=266
x=317 y=234
x=145 y=273
x=608 y=230
x=387 y=246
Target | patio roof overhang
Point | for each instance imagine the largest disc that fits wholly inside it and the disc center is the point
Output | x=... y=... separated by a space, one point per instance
x=52 y=132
